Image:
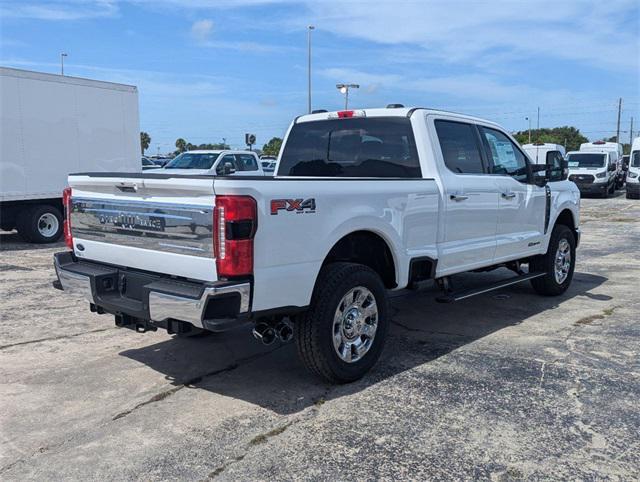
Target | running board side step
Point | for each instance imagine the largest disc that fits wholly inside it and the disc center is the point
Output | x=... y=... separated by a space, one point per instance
x=461 y=295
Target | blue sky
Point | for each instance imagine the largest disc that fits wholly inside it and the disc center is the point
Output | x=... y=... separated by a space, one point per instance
x=210 y=69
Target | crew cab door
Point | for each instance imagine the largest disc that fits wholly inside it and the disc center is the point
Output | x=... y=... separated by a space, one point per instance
x=522 y=204
x=470 y=199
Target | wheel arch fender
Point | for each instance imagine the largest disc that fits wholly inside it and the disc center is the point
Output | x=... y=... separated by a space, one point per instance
x=373 y=228
x=564 y=211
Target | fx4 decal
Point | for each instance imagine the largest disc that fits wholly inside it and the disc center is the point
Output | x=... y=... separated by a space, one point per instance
x=297 y=205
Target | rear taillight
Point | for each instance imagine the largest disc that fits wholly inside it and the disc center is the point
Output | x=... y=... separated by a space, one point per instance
x=66 y=202
x=235 y=220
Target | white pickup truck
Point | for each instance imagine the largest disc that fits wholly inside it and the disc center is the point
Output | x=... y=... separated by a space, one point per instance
x=363 y=202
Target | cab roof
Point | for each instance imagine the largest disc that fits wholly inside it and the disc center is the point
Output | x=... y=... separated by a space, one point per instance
x=386 y=112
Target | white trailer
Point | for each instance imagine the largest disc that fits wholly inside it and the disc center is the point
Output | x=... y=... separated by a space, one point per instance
x=53 y=125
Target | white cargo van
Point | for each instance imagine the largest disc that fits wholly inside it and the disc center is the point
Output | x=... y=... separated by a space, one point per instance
x=633 y=175
x=543 y=152
x=51 y=125
x=615 y=149
x=593 y=172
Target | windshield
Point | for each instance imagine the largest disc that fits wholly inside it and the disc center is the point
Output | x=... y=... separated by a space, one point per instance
x=586 y=160
x=190 y=160
x=635 y=159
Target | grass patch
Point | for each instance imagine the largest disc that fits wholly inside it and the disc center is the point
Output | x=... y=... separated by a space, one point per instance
x=587 y=320
x=263 y=437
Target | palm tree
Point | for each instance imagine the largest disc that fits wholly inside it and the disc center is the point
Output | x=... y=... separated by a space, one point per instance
x=181 y=144
x=145 y=140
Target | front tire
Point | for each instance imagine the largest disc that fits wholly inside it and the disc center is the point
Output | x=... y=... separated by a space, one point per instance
x=558 y=263
x=342 y=334
x=40 y=224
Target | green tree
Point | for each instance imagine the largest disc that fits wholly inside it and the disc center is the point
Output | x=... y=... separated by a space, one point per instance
x=566 y=136
x=181 y=145
x=145 y=140
x=272 y=148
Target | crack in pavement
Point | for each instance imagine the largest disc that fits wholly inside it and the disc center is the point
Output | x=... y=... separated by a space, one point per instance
x=54 y=338
x=428 y=332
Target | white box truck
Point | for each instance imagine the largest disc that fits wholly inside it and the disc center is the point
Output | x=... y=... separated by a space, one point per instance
x=50 y=126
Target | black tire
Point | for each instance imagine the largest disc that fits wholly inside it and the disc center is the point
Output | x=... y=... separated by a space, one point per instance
x=548 y=285
x=314 y=329
x=31 y=227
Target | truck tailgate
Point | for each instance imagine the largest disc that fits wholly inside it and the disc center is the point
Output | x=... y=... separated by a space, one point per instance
x=127 y=219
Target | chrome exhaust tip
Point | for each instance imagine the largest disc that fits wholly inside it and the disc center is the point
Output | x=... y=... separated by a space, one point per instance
x=284 y=331
x=265 y=333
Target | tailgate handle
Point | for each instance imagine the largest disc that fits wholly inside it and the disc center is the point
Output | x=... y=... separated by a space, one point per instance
x=127 y=186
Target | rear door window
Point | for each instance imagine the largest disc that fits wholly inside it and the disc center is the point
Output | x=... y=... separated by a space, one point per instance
x=246 y=162
x=460 y=147
x=356 y=147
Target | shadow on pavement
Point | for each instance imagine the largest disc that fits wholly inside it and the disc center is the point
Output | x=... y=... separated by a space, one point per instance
x=12 y=241
x=234 y=365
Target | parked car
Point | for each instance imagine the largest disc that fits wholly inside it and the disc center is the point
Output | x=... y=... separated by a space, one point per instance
x=219 y=163
x=633 y=175
x=593 y=172
x=161 y=161
x=363 y=203
x=148 y=164
x=51 y=125
x=268 y=167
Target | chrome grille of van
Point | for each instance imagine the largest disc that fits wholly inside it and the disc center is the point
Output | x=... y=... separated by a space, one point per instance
x=582 y=178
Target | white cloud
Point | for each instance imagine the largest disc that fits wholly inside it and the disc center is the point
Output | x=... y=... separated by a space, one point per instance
x=59 y=10
x=467 y=31
x=201 y=30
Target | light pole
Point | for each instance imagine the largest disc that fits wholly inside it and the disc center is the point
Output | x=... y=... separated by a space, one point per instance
x=62 y=56
x=344 y=89
x=528 y=119
x=309 y=29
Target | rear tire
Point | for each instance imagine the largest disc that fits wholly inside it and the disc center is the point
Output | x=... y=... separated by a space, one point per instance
x=41 y=223
x=558 y=263
x=342 y=334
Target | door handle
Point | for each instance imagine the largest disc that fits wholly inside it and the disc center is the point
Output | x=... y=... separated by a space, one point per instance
x=508 y=195
x=458 y=197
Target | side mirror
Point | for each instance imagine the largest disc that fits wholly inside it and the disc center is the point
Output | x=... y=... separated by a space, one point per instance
x=225 y=169
x=540 y=174
x=612 y=167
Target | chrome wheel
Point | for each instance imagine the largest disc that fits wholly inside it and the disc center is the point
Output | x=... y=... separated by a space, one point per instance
x=354 y=324
x=48 y=225
x=562 y=261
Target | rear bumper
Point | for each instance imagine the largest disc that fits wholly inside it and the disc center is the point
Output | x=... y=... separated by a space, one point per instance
x=151 y=297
